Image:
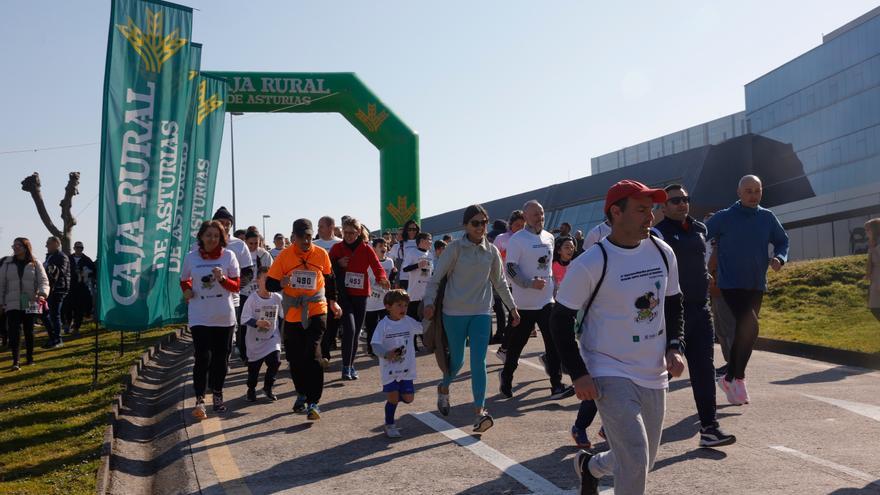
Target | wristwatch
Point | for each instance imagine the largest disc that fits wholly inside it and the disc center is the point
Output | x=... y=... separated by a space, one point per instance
x=675 y=345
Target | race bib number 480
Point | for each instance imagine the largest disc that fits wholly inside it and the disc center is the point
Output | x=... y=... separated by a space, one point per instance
x=304 y=279
x=354 y=280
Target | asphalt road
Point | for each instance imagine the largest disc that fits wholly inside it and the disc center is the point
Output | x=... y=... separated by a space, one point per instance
x=812 y=428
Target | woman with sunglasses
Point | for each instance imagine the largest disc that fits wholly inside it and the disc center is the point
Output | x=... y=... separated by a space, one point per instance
x=472 y=268
x=352 y=259
x=24 y=288
x=408 y=242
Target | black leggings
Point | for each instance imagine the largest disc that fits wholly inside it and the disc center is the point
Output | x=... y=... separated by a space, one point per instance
x=518 y=337
x=354 y=308
x=745 y=305
x=500 y=321
x=302 y=347
x=17 y=320
x=211 y=349
x=371 y=321
x=273 y=362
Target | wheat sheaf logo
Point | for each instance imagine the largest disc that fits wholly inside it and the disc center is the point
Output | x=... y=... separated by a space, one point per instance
x=371 y=119
x=402 y=211
x=153 y=48
x=206 y=105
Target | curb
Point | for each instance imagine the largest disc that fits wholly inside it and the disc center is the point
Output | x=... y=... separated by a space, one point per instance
x=820 y=353
x=103 y=475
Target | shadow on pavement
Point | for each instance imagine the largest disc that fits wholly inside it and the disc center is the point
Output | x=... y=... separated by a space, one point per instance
x=835 y=374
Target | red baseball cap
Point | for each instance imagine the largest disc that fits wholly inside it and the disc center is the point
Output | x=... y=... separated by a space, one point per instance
x=630 y=188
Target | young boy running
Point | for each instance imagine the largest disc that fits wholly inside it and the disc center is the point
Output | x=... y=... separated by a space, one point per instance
x=260 y=315
x=393 y=343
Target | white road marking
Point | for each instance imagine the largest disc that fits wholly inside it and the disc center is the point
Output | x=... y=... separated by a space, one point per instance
x=533 y=365
x=866 y=410
x=221 y=458
x=855 y=473
x=508 y=466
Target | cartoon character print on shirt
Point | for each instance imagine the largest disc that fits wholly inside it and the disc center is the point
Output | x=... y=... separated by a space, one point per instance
x=646 y=305
x=208 y=281
x=544 y=261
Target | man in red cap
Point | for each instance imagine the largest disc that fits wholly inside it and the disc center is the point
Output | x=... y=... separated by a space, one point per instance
x=631 y=336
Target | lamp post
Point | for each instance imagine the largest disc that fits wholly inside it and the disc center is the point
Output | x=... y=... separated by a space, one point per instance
x=232 y=155
x=264 y=225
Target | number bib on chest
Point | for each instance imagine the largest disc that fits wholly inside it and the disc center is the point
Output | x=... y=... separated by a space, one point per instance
x=304 y=279
x=354 y=280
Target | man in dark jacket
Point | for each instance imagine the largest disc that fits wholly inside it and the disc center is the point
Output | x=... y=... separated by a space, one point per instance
x=687 y=238
x=79 y=300
x=58 y=270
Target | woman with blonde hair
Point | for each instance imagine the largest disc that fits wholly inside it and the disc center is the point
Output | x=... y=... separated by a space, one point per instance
x=872 y=228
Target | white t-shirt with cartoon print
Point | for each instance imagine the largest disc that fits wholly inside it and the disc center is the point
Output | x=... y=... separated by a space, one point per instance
x=533 y=254
x=624 y=332
x=377 y=294
x=391 y=334
x=212 y=304
x=262 y=341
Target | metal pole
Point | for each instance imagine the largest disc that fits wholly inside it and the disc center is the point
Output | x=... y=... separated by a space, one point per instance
x=264 y=225
x=232 y=155
x=95 y=371
x=121 y=343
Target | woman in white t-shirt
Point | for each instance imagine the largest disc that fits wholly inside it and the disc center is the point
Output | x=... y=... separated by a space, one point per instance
x=209 y=277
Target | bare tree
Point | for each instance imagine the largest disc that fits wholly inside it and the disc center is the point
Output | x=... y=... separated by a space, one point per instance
x=31 y=184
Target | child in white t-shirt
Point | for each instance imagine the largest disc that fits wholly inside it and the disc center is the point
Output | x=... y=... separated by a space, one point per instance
x=393 y=343
x=263 y=339
x=375 y=304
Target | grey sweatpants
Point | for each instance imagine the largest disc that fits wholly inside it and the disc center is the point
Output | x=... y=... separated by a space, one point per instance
x=633 y=419
x=725 y=325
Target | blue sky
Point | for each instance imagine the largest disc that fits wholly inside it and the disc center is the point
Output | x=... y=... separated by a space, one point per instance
x=506 y=95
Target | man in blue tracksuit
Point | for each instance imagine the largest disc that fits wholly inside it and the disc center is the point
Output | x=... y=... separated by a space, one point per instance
x=744 y=232
x=687 y=238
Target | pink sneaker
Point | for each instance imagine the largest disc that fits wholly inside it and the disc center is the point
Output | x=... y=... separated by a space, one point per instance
x=742 y=394
x=730 y=391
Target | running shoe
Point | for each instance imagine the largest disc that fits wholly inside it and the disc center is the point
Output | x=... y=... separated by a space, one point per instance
x=269 y=395
x=300 y=405
x=501 y=354
x=15 y=367
x=713 y=436
x=719 y=372
x=580 y=437
x=57 y=344
x=443 y=403
x=391 y=431
x=346 y=373
x=483 y=422
x=560 y=392
x=314 y=413
x=251 y=395
x=353 y=373
x=742 y=394
x=506 y=387
x=729 y=389
x=218 y=405
x=199 y=411
x=589 y=483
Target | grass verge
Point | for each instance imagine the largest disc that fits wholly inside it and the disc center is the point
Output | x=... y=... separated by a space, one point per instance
x=52 y=420
x=821 y=302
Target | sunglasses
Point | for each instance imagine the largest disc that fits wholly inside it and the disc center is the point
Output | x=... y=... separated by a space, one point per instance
x=478 y=223
x=679 y=200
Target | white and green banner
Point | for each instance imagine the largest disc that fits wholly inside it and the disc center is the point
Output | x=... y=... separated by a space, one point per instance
x=147 y=97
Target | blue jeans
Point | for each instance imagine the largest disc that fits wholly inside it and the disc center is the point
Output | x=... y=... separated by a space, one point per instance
x=477 y=329
x=52 y=319
x=699 y=337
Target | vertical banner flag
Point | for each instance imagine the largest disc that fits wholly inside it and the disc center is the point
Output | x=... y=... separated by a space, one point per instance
x=147 y=95
x=205 y=150
x=180 y=230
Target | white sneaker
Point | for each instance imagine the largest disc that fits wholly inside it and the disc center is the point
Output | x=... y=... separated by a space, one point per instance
x=729 y=389
x=199 y=411
x=391 y=431
x=501 y=354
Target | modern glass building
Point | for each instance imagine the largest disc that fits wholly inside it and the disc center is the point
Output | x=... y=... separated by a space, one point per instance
x=810 y=130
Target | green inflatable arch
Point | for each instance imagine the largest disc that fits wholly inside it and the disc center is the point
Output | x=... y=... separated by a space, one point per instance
x=344 y=93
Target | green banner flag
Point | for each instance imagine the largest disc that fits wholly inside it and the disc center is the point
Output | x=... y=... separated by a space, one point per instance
x=180 y=232
x=147 y=95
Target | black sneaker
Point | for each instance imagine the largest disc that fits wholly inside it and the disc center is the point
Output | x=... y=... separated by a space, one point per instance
x=713 y=436
x=269 y=395
x=251 y=395
x=589 y=483
x=218 y=405
x=506 y=387
x=560 y=392
x=719 y=372
x=300 y=405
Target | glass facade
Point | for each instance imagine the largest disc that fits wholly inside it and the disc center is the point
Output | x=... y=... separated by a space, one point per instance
x=826 y=104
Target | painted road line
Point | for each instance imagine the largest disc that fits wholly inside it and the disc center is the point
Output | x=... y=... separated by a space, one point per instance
x=221 y=458
x=508 y=466
x=866 y=410
x=855 y=473
x=533 y=365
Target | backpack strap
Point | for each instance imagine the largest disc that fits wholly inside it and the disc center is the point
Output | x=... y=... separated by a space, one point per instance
x=583 y=312
x=662 y=254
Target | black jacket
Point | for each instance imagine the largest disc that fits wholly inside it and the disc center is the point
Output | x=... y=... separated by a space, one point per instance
x=58 y=271
x=690 y=252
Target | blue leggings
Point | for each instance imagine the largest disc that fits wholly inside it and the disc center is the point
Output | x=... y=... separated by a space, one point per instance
x=477 y=329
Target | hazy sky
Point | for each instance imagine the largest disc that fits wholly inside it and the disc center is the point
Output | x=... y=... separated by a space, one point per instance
x=505 y=95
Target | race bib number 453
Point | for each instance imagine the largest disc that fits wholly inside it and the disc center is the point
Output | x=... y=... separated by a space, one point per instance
x=304 y=279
